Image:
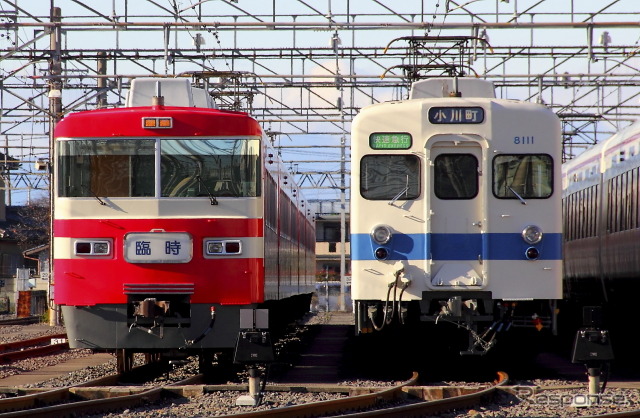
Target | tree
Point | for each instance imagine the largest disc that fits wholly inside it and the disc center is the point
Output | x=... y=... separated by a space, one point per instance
x=31 y=226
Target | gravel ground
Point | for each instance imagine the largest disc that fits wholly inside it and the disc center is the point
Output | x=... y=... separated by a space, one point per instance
x=22 y=366
x=178 y=373
x=555 y=403
x=220 y=403
x=551 y=403
x=11 y=333
x=526 y=403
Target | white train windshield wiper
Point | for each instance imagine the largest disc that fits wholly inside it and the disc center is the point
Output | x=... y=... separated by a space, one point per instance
x=403 y=191
x=524 y=202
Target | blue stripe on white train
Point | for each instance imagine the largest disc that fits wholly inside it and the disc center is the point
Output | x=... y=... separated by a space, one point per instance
x=490 y=246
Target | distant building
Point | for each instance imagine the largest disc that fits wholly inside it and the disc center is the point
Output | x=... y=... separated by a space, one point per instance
x=16 y=271
x=328 y=247
x=39 y=274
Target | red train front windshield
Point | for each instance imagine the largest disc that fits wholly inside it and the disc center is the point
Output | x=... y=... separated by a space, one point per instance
x=185 y=167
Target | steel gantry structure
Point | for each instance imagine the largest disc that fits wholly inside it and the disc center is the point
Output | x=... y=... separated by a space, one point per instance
x=304 y=69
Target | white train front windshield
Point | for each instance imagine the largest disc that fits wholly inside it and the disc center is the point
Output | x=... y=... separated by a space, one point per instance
x=187 y=168
x=529 y=176
x=387 y=177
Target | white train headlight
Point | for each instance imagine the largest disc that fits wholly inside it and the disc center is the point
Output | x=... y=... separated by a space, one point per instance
x=381 y=234
x=532 y=234
x=214 y=247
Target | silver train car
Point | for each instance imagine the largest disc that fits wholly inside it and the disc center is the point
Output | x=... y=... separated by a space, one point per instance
x=601 y=213
x=456 y=212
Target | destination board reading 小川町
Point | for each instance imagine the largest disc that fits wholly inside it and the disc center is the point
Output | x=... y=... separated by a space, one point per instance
x=451 y=115
x=390 y=140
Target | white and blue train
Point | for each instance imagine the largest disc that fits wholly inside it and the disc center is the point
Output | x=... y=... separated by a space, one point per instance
x=456 y=211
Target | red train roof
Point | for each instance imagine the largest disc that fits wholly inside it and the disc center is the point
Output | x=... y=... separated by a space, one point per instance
x=127 y=122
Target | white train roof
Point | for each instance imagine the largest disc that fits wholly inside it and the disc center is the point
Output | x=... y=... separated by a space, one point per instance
x=442 y=87
x=604 y=156
x=176 y=92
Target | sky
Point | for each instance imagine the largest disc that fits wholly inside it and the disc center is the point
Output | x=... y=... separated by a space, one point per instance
x=434 y=14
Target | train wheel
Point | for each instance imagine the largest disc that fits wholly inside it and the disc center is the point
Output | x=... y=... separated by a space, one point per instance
x=124 y=360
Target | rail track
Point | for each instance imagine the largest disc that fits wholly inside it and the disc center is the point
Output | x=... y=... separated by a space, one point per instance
x=109 y=398
x=20 y=321
x=115 y=394
x=383 y=403
x=98 y=395
x=19 y=350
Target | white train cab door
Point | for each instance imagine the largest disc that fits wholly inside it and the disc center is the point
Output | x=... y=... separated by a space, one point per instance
x=456 y=212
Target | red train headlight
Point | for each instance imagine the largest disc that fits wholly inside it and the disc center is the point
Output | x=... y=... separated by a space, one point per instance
x=93 y=247
x=222 y=247
x=381 y=253
x=532 y=253
x=232 y=247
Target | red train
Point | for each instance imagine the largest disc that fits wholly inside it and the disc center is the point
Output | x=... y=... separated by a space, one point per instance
x=170 y=222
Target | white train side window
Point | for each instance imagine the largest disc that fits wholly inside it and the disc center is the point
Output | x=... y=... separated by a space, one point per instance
x=386 y=177
x=528 y=176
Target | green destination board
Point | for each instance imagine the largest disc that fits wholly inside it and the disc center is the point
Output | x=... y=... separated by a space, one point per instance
x=390 y=140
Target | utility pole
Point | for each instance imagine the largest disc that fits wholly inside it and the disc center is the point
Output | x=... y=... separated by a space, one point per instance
x=343 y=225
x=336 y=42
x=102 y=82
x=55 y=113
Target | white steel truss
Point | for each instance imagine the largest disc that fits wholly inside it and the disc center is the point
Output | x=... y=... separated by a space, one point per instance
x=304 y=69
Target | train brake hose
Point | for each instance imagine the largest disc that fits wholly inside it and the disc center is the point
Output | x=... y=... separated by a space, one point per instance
x=396 y=276
x=386 y=319
x=386 y=305
x=389 y=319
x=189 y=343
x=405 y=283
x=402 y=289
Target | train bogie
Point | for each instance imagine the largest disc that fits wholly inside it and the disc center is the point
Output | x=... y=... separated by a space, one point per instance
x=455 y=205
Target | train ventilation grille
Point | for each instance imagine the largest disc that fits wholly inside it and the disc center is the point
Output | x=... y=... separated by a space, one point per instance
x=165 y=288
